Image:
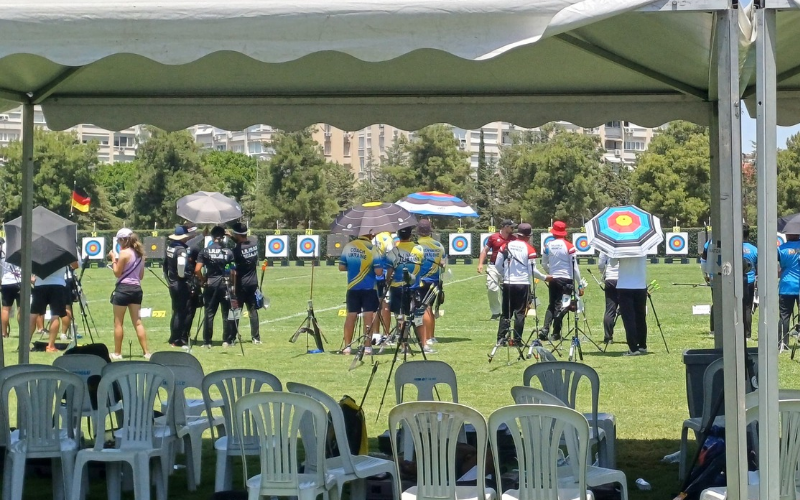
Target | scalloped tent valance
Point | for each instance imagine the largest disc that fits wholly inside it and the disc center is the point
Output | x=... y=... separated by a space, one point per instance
x=350 y=63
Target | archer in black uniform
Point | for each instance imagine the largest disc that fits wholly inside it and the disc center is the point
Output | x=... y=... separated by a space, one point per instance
x=179 y=273
x=215 y=258
x=245 y=257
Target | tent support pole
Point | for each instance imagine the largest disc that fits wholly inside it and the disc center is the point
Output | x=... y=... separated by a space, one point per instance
x=27 y=232
x=767 y=175
x=726 y=162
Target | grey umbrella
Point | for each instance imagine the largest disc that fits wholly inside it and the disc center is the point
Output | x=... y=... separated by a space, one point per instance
x=54 y=242
x=373 y=218
x=205 y=207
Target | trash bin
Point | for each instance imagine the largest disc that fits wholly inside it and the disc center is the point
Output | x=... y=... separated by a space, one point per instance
x=696 y=361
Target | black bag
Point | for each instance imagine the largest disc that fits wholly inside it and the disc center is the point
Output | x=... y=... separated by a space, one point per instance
x=356 y=424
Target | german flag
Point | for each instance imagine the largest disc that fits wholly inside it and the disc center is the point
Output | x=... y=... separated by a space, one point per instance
x=80 y=200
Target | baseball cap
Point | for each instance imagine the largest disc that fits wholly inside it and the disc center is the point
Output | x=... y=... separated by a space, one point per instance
x=559 y=229
x=424 y=227
x=524 y=229
x=124 y=233
x=507 y=222
x=239 y=228
x=405 y=233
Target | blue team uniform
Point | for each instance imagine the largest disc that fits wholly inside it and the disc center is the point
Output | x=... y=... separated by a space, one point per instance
x=433 y=259
x=750 y=254
x=361 y=258
x=789 y=261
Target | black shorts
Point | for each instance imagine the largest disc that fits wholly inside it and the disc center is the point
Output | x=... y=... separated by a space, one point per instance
x=125 y=295
x=400 y=299
x=54 y=296
x=362 y=300
x=10 y=294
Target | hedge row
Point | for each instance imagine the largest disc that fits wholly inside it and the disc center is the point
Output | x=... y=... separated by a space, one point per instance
x=323 y=239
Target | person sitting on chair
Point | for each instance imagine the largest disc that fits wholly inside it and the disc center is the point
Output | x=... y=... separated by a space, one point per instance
x=362 y=262
x=559 y=261
x=516 y=263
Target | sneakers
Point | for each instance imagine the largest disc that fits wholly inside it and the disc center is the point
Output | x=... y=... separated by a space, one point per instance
x=50 y=349
x=256 y=341
x=642 y=350
x=147 y=355
x=494 y=317
x=346 y=351
x=207 y=346
x=428 y=350
x=556 y=337
x=225 y=345
x=633 y=353
x=368 y=351
x=115 y=357
x=431 y=341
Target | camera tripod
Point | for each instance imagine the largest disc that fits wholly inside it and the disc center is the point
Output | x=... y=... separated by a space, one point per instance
x=231 y=316
x=86 y=314
x=406 y=321
x=576 y=308
x=310 y=325
x=534 y=342
x=365 y=338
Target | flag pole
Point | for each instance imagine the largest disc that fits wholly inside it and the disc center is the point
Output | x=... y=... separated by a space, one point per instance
x=71 y=196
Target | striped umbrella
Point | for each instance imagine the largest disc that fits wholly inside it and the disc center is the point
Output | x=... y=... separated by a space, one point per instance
x=626 y=231
x=436 y=203
x=373 y=218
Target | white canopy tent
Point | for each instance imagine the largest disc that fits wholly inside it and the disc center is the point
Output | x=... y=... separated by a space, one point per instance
x=408 y=63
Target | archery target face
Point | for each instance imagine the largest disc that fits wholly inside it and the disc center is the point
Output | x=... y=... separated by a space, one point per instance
x=94 y=248
x=308 y=246
x=115 y=246
x=277 y=246
x=460 y=244
x=581 y=243
x=781 y=239
x=546 y=238
x=677 y=243
x=485 y=239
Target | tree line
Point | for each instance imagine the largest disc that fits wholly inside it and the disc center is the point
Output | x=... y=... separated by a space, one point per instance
x=541 y=175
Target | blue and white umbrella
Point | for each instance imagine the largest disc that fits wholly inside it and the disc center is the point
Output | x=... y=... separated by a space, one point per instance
x=436 y=203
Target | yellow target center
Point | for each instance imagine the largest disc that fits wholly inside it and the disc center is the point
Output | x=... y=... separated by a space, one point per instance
x=624 y=220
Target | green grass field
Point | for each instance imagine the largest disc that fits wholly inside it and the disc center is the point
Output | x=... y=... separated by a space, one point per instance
x=647 y=393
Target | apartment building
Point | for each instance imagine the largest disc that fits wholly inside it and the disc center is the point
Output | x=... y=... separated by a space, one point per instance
x=251 y=141
x=358 y=150
x=112 y=146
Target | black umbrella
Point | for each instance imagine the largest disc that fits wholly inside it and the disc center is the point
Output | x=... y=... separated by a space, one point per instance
x=789 y=224
x=373 y=218
x=205 y=207
x=54 y=242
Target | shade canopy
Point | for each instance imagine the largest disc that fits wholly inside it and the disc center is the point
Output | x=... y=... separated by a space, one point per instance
x=208 y=207
x=373 y=218
x=407 y=63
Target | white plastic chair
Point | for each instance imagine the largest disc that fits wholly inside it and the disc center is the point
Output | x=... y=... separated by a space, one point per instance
x=84 y=366
x=425 y=376
x=561 y=379
x=595 y=476
x=232 y=385
x=346 y=467
x=537 y=431
x=140 y=383
x=789 y=453
x=194 y=406
x=46 y=428
x=710 y=390
x=278 y=419
x=10 y=371
x=434 y=427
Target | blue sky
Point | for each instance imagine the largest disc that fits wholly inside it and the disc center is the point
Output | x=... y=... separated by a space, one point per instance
x=749 y=132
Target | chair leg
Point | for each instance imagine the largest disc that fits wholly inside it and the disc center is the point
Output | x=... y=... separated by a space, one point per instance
x=165 y=462
x=358 y=490
x=219 y=477
x=57 y=478
x=624 y=489
x=80 y=479
x=683 y=459
x=141 y=477
x=194 y=452
x=17 y=476
x=114 y=480
x=7 y=477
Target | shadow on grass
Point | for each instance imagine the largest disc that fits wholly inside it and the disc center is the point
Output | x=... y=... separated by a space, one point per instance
x=450 y=340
